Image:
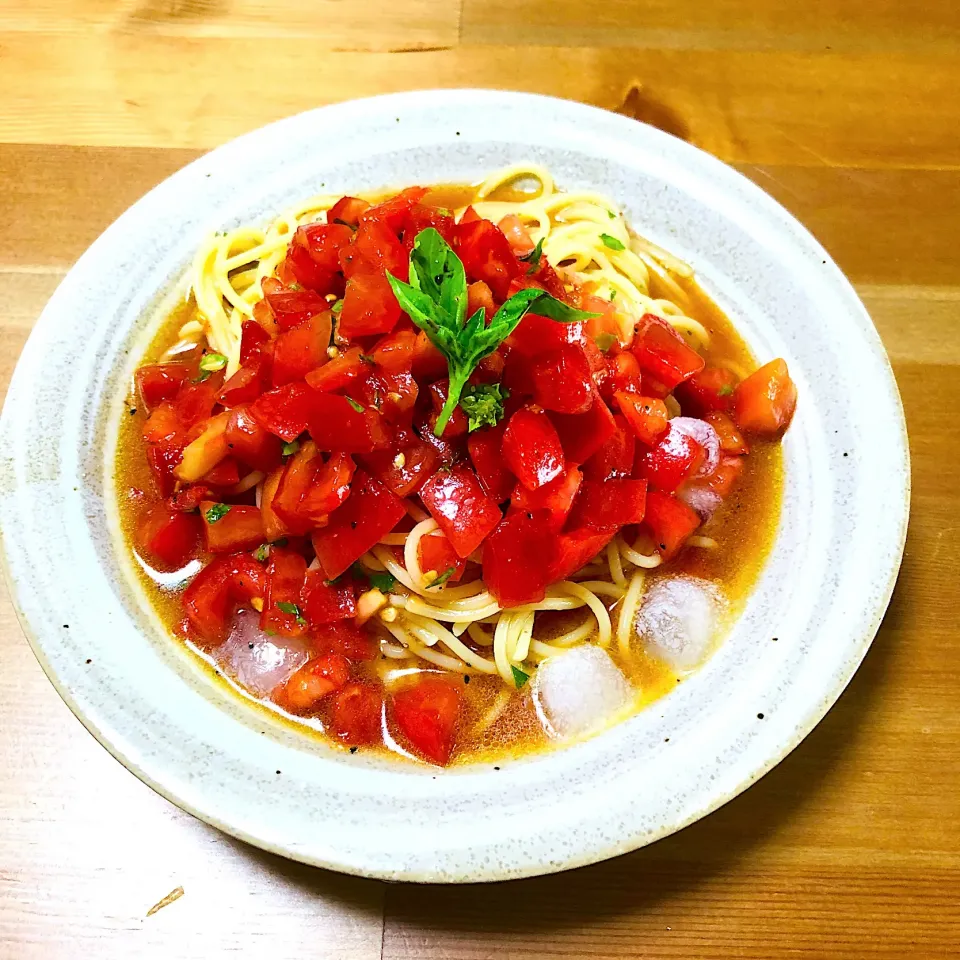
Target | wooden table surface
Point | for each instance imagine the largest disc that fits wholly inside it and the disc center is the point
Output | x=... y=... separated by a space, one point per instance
x=848 y=113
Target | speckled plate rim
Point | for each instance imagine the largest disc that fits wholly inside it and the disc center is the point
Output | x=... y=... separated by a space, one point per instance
x=453 y=865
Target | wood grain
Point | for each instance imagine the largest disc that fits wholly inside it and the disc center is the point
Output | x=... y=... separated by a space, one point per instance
x=833 y=25
x=845 y=112
x=115 y=88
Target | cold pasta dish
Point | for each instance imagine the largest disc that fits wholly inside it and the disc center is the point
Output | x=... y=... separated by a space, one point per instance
x=454 y=472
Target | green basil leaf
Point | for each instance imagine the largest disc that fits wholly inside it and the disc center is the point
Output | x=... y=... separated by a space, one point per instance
x=437 y=272
x=604 y=341
x=519 y=677
x=359 y=407
x=612 y=242
x=290 y=448
x=262 y=552
x=289 y=608
x=547 y=306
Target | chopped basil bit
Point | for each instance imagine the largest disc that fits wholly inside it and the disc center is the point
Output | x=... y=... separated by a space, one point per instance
x=519 y=677
x=201 y=376
x=262 y=552
x=295 y=286
x=356 y=406
x=483 y=404
x=382 y=581
x=366 y=358
x=217 y=512
x=213 y=361
x=533 y=257
x=289 y=448
x=613 y=295
x=281 y=542
x=605 y=341
x=292 y=610
x=435 y=299
x=611 y=215
x=612 y=242
x=725 y=390
x=336 y=308
x=343 y=223
x=443 y=578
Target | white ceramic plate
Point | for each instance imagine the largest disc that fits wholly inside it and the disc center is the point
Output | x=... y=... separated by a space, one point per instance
x=821 y=595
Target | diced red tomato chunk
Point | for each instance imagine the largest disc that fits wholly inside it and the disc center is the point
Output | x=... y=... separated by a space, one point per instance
x=285 y=411
x=675 y=458
x=532 y=448
x=562 y=380
x=435 y=552
x=647 y=416
x=485 y=448
x=518 y=558
x=250 y=442
x=583 y=434
x=157 y=382
x=464 y=513
x=709 y=390
x=610 y=503
x=281 y=612
x=308 y=687
x=326 y=601
x=336 y=424
x=355 y=714
x=217 y=590
x=166 y=536
x=427 y=714
x=615 y=458
x=663 y=353
x=763 y=404
x=228 y=528
x=670 y=522
x=555 y=497
x=369 y=513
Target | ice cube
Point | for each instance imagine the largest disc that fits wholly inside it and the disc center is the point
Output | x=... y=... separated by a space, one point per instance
x=677 y=620
x=258 y=662
x=578 y=691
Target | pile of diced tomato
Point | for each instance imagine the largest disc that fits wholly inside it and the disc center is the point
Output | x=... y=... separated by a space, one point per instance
x=331 y=417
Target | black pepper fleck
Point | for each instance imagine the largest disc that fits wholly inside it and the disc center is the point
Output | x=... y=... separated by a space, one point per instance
x=775 y=639
x=353 y=524
x=666 y=739
x=66 y=626
x=250 y=645
x=496 y=768
x=466 y=678
x=845 y=454
x=759 y=716
x=89 y=660
x=278 y=772
x=133 y=410
x=353 y=749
